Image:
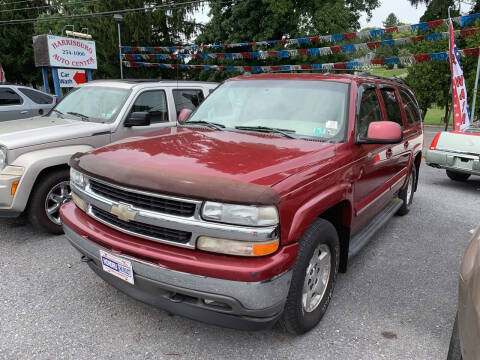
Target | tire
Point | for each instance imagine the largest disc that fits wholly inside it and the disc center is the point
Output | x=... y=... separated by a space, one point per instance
x=51 y=185
x=457 y=176
x=301 y=315
x=406 y=194
x=454 y=352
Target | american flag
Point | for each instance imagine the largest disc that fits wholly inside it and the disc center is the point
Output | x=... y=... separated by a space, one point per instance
x=2 y=75
x=461 y=117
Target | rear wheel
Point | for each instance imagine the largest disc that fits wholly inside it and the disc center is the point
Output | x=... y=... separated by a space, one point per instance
x=50 y=193
x=457 y=176
x=406 y=194
x=313 y=278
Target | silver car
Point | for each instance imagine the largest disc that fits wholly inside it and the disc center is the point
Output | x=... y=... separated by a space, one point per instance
x=19 y=102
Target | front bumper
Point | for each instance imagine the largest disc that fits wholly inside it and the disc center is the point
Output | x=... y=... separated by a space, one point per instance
x=227 y=303
x=458 y=162
x=8 y=176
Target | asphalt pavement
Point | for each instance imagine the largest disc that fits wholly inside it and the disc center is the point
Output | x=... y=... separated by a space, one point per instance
x=397 y=300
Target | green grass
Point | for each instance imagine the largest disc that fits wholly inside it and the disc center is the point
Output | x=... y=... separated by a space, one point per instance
x=435 y=117
x=381 y=71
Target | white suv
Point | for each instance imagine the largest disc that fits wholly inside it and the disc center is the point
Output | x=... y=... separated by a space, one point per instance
x=34 y=153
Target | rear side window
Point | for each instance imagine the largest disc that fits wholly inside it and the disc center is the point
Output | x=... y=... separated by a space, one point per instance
x=369 y=110
x=37 y=97
x=154 y=102
x=392 y=105
x=187 y=99
x=9 y=97
x=411 y=110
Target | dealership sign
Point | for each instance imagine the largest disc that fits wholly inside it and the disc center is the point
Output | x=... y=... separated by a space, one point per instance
x=65 y=52
x=71 y=77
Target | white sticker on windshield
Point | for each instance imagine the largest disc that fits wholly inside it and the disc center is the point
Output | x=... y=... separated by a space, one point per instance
x=331 y=125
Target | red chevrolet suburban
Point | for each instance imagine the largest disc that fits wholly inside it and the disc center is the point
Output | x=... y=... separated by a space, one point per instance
x=243 y=214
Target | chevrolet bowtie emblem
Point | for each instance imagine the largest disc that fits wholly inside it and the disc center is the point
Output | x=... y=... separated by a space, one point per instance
x=124 y=212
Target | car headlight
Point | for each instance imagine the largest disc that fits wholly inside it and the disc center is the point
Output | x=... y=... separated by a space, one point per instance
x=3 y=157
x=77 y=178
x=240 y=214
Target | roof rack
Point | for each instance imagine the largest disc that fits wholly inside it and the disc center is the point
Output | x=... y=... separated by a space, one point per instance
x=394 y=79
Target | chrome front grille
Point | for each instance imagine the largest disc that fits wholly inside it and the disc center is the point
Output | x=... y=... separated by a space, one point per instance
x=143 y=201
x=146 y=230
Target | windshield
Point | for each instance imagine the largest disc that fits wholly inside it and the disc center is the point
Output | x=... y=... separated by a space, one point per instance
x=91 y=103
x=309 y=109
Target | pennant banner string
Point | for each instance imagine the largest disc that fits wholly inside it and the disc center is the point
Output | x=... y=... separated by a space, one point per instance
x=369 y=34
x=355 y=64
x=303 y=52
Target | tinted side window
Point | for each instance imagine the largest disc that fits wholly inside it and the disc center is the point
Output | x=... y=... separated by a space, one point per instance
x=9 y=97
x=187 y=99
x=392 y=105
x=369 y=110
x=411 y=110
x=36 y=96
x=154 y=102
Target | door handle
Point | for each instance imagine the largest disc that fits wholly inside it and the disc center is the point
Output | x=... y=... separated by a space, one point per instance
x=406 y=144
x=389 y=153
x=24 y=112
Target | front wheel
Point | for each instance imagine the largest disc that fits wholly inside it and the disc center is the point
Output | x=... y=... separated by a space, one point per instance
x=313 y=278
x=49 y=194
x=457 y=176
x=406 y=194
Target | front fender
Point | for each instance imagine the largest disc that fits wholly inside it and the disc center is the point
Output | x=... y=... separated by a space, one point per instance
x=316 y=206
x=34 y=162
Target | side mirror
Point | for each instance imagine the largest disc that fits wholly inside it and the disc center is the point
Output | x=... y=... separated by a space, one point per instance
x=382 y=132
x=183 y=115
x=140 y=118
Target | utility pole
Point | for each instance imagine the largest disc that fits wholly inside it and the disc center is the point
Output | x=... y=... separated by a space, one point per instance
x=118 y=19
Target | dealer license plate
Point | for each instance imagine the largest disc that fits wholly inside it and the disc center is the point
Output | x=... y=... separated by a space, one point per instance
x=116 y=266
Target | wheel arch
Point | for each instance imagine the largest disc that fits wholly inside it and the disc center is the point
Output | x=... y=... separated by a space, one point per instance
x=333 y=205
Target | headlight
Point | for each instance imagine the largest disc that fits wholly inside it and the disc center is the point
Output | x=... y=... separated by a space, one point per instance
x=236 y=247
x=240 y=214
x=77 y=178
x=3 y=157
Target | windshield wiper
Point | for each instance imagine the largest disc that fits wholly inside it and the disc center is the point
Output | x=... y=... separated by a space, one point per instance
x=58 y=112
x=81 y=116
x=285 y=132
x=216 y=126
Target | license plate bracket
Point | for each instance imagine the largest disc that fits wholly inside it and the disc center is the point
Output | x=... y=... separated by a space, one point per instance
x=117 y=266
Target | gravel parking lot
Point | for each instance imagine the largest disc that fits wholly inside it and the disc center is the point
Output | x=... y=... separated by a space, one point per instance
x=397 y=301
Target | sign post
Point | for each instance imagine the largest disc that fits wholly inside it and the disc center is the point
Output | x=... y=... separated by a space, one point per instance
x=65 y=54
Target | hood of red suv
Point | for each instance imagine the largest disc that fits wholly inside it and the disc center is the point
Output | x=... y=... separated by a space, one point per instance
x=206 y=164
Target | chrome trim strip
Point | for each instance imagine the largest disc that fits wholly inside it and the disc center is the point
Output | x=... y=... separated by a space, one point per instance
x=188 y=245
x=379 y=196
x=140 y=192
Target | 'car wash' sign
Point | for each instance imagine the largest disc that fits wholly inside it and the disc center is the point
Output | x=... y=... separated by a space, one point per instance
x=71 y=77
x=65 y=52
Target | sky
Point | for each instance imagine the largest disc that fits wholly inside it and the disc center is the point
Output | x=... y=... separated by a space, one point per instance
x=405 y=12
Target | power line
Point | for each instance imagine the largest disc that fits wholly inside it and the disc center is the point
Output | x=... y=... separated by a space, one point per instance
x=50 y=6
x=16 y=2
x=103 y=13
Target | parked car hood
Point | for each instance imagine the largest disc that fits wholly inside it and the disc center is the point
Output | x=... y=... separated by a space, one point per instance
x=40 y=130
x=219 y=165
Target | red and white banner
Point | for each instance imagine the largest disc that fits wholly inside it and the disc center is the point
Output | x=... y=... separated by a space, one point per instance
x=461 y=117
x=2 y=75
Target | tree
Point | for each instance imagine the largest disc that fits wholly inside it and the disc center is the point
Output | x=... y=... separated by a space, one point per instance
x=256 y=20
x=162 y=26
x=391 y=20
x=438 y=9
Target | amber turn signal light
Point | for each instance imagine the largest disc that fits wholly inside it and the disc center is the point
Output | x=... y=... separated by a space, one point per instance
x=13 y=190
